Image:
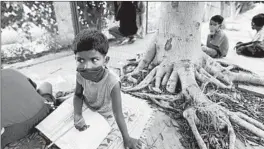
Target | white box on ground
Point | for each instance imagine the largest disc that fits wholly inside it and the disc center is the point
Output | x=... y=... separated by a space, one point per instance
x=59 y=128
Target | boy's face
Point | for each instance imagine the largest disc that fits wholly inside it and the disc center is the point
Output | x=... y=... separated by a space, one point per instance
x=90 y=59
x=253 y=26
x=214 y=27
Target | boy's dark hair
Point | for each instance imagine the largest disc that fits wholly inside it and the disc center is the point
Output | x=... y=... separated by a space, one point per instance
x=90 y=39
x=217 y=18
x=258 y=19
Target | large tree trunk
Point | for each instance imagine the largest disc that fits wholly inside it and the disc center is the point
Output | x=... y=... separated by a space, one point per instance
x=175 y=62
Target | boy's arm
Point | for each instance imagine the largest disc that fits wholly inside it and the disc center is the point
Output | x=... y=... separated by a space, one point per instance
x=245 y=44
x=212 y=47
x=224 y=46
x=77 y=99
x=117 y=110
x=216 y=48
x=79 y=122
x=207 y=43
x=118 y=113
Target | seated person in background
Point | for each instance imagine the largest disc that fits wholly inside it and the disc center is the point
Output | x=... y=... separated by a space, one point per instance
x=255 y=48
x=125 y=13
x=23 y=105
x=217 y=42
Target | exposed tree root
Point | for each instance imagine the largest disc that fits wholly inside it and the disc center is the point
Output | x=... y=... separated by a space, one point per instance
x=251 y=120
x=232 y=67
x=249 y=126
x=218 y=116
x=248 y=78
x=217 y=71
x=232 y=136
x=143 y=83
x=204 y=76
x=162 y=101
x=202 y=111
x=222 y=97
x=169 y=98
x=190 y=116
x=162 y=105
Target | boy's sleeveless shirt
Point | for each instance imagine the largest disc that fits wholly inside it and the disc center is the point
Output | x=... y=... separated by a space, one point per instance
x=97 y=94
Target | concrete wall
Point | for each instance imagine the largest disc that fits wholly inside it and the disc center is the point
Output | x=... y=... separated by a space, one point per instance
x=211 y=9
x=226 y=9
x=64 y=22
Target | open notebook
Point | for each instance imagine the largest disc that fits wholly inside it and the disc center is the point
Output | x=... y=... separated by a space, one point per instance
x=59 y=128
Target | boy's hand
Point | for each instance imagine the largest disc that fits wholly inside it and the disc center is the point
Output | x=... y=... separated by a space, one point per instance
x=238 y=45
x=132 y=143
x=79 y=123
x=204 y=48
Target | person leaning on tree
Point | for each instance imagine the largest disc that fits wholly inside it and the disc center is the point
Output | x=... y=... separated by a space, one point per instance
x=217 y=42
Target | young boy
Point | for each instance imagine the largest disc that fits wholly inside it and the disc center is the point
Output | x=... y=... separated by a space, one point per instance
x=255 y=48
x=217 y=42
x=96 y=86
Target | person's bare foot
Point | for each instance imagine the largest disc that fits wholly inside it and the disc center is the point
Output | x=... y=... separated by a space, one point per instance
x=131 y=40
x=139 y=36
x=124 y=41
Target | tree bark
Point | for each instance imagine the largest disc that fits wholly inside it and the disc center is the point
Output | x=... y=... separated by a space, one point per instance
x=175 y=57
x=178 y=27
